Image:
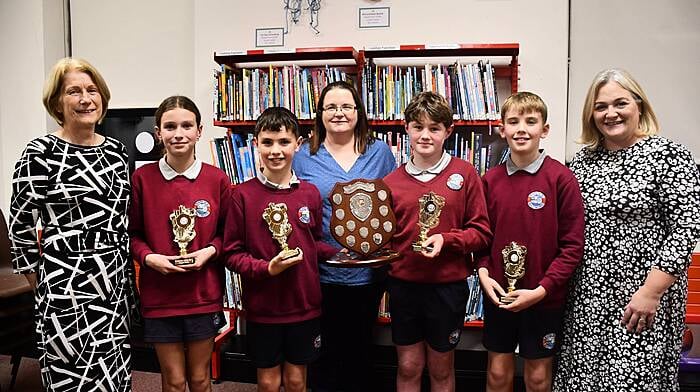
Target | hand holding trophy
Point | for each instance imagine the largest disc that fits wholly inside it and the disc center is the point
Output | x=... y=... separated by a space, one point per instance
x=278 y=222
x=182 y=220
x=430 y=207
x=514 y=266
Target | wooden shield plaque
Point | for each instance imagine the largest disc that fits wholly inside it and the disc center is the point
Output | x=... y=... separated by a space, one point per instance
x=362 y=219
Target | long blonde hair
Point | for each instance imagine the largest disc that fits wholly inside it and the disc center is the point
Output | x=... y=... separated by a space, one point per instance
x=648 y=124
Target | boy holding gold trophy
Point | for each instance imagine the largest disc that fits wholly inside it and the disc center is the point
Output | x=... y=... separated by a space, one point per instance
x=273 y=240
x=536 y=216
x=441 y=219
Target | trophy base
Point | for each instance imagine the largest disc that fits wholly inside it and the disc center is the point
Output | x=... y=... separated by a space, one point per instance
x=354 y=260
x=418 y=247
x=507 y=300
x=288 y=254
x=182 y=261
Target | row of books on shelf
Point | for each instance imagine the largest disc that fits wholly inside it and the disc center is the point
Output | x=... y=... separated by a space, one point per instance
x=242 y=94
x=473 y=311
x=469 y=146
x=236 y=156
x=234 y=290
x=469 y=88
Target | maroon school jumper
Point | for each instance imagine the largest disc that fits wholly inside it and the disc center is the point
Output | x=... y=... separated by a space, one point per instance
x=551 y=230
x=464 y=223
x=295 y=294
x=153 y=199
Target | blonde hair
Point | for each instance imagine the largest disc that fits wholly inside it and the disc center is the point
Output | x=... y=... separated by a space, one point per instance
x=524 y=102
x=54 y=84
x=648 y=124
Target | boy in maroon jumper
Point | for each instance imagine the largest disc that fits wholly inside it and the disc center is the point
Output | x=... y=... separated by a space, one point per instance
x=534 y=201
x=428 y=289
x=281 y=296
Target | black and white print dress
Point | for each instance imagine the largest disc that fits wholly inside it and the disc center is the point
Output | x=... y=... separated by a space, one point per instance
x=80 y=194
x=642 y=211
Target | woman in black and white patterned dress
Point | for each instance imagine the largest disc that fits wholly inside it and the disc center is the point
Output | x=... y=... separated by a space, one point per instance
x=641 y=193
x=76 y=183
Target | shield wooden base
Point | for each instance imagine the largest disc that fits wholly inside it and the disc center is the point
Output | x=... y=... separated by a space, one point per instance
x=354 y=260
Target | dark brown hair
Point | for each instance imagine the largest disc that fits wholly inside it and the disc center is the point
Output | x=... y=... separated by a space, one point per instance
x=362 y=136
x=175 y=102
x=274 y=118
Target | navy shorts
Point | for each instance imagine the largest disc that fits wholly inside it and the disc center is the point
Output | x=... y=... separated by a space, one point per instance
x=433 y=313
x=537 y=332
x=272 y=344
x=182 y=328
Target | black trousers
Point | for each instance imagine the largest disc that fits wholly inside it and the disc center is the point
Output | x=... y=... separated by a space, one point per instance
x=349 y=316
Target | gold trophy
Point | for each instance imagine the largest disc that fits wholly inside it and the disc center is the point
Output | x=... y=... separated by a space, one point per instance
x=428 y=218
x=277 y=221
x=182 y=220
x=514 y=266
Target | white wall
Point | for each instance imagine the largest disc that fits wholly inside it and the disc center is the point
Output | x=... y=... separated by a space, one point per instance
x=142 y=48
x=540 y=26
x=658 y=42
x=32 y=42
x=148 y=50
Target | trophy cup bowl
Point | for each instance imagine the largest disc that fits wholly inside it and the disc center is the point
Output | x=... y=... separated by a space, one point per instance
x=363 y=222
x=278 y=222
x=514 y=266
x=182 y=221
x=429 y=207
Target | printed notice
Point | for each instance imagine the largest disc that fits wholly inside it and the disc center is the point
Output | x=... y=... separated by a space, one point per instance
x=269 y=37
x=374 y=17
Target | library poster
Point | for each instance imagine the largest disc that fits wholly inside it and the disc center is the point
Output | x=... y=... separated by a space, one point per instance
x=374 y=17
x=269 y=37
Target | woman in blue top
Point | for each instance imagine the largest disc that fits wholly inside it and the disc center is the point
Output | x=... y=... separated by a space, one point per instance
x=340 y=150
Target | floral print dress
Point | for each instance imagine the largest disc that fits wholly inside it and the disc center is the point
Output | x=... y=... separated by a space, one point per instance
x=642 y=211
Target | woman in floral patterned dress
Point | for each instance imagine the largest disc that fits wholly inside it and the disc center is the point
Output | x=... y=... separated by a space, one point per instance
x=641 y=194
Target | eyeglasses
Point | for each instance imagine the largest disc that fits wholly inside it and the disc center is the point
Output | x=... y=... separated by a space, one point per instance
x=346 y=109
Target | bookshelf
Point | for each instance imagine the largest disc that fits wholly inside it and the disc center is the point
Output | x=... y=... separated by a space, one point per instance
x=473 y=77
x=220 y=339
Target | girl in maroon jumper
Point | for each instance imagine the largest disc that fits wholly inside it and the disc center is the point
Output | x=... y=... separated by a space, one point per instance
x=181 y=302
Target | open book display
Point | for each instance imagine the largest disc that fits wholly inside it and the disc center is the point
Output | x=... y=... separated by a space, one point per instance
x=363 y=222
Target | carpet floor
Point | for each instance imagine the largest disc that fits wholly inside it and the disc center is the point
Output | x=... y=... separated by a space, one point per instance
x=28 y=379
